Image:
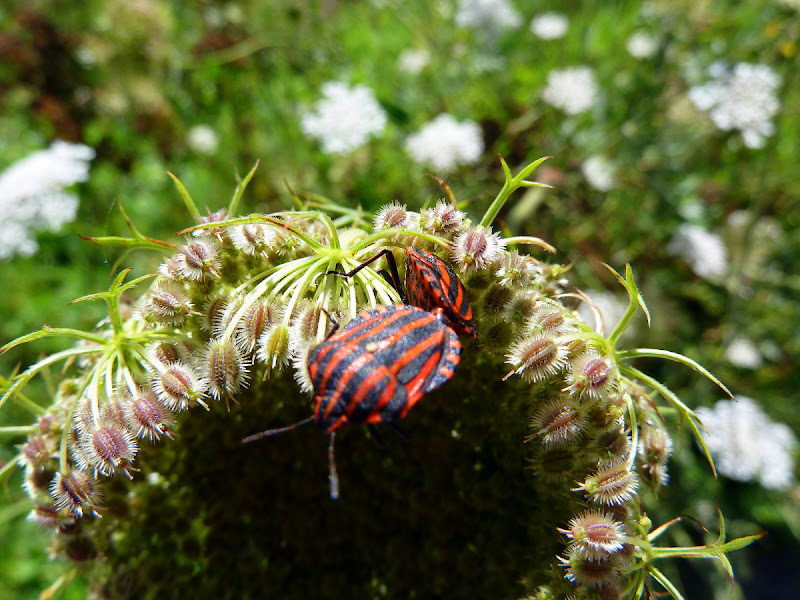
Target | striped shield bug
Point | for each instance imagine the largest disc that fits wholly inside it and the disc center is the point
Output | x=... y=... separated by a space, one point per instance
x=375 y=369
x=430 y=283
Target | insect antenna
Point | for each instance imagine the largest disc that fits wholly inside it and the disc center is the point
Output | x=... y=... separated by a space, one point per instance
x=271 y=432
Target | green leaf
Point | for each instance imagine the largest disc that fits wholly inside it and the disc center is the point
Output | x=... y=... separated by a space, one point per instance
x=241 y=185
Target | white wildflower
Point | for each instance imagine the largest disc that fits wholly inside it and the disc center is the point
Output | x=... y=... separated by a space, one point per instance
x=490 y=14
x=747 y=446
x=704 y=251
x=642 y=45
x=743 y=353
x=599 y=173
x=413 y=61
x=344 y=118
x=549 y=25
x=444 y=143
x=202 y=139
x=32 y=196
x=573 y=89
x=742 y=99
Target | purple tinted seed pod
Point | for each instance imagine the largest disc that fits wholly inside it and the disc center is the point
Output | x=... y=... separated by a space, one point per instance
x=147 y=417
x=179 y=386
x=75 y=492
x=255 y=321
x=197 y=259
x=224 y=369
x=477 y=248
x=109 y=448
x=167 y=304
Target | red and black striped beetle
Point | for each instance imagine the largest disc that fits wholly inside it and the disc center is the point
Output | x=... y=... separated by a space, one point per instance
x=377 y=368
x=430 y=283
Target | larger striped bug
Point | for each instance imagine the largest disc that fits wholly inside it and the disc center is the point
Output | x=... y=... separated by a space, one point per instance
x=430 y=283
x=376 y=369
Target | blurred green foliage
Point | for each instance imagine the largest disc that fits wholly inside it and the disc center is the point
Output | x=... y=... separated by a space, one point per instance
x=132 y=78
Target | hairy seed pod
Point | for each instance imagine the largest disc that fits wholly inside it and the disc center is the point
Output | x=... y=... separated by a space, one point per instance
x=273 y=346
x=611 y=484
x=75 y=492
x=197 y=259
x=108 y=448
x=167 y=303
x=477 y=248
x=179 y=387
x=224 y=369
x=558 y=422
x=536 y=357
x=595 y=534
x=147 y=417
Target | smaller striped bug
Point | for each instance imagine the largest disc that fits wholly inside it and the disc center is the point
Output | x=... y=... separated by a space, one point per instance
x=375 y=370
x=430 y=283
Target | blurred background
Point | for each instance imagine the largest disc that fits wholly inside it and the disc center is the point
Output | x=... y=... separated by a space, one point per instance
x=674 y=128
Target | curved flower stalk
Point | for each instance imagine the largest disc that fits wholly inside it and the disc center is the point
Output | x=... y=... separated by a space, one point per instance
x=245 y=297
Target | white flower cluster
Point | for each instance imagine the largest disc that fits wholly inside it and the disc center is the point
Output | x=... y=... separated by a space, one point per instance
x=747 y=446
x=743 y=98
x=549 y=26
x=444 y=143
x=573 y=89
x=32 y=195
x=491 y=14
x=704 y=251
x=642 y=45
x=598 y=172
x=344 y=118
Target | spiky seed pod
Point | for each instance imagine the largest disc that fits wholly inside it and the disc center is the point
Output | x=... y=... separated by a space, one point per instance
x=167 y=353
x=614 y=444
x=37 y=480
x=179 y=386
x=550 y=318
x=113 y=410
x=147 y=417
x=577 y=348
x=46 y=515
x=587 y=572
x=75 y=492
x=612 y=484
x=536 y=357
x=107 y=449
x=656 y=448
x=443 y=219
x=167 y=303
x=309 y=324
x=476 y=248
x=515 y=270
x=395 y=215
x=221 y=233
x=592 y=376
x=301 y=374
x=273 y=346
x=253 y=238
x=226 y=317
x=36 y=452
x=496 y=298
x=594 y=534
x=223 y=366
x=520 y=307
x=558 y=422
x=197 y=259
x=83 y=418
x=255 y=321
x=171 y=268
x=213 y=310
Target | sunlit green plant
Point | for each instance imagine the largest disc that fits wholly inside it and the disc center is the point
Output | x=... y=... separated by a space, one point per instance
x=246 y=297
